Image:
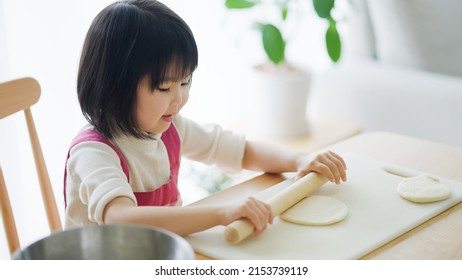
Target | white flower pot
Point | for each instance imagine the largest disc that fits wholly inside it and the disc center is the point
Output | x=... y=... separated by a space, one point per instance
x=279 y=101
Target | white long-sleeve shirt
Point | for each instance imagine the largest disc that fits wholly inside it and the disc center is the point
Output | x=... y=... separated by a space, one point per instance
x=95 y=176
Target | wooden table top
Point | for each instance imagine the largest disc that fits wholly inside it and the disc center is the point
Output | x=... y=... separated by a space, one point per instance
x=437 y=238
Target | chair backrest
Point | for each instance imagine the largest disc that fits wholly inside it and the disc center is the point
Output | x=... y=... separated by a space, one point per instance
x=20 y=95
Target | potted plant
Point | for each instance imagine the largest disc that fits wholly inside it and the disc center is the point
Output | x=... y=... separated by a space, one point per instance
x=280 y=88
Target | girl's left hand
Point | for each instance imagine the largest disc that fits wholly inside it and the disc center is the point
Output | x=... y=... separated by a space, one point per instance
x=329 y=164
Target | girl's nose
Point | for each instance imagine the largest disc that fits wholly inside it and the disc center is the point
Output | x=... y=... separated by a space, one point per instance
x=178 y=97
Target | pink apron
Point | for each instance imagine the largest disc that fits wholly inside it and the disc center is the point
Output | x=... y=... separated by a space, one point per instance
x=167 y=194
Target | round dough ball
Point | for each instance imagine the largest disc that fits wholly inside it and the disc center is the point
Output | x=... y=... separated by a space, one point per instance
x=423 y=189
x=316 y=210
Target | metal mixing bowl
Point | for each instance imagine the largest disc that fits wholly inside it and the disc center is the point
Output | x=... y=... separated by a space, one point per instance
x=109 y=242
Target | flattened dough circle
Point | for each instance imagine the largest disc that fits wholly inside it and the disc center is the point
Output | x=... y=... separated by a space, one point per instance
x=316 y=210
x=423 y=189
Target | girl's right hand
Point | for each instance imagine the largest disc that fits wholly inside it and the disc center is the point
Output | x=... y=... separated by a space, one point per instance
x=259 y=213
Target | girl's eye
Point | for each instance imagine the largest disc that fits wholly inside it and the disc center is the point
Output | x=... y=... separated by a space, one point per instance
x=188 y=83
x=164 y=89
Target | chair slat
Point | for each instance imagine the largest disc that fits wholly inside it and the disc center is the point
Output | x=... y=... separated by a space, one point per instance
x=54 y=221
x=7 y=215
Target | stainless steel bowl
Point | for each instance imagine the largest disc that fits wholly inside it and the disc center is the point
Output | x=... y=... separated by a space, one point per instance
x=109 y=242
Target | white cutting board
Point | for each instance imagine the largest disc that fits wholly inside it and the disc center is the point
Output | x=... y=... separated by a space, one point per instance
x=377 y=215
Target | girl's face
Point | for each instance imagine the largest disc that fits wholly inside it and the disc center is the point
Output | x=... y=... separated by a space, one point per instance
x=155 y=109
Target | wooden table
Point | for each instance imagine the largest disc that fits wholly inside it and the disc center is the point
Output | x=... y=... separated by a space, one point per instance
x=438 y=238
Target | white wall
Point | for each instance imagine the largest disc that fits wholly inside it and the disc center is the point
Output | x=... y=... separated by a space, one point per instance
x=43 y=39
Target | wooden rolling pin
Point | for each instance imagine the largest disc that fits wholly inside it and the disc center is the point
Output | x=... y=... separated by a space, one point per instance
x=280 y=202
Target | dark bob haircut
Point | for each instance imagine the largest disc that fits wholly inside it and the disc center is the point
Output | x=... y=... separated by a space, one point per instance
x=125 y=42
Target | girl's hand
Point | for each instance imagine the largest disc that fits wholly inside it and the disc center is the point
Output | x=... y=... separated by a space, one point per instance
x=259 y=213
x=329 y=164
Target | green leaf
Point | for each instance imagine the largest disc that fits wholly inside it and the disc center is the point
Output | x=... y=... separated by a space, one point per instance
x=323 y=7
x=333 y=43
x=240 y=4
x=284 y=11
x=273 y=43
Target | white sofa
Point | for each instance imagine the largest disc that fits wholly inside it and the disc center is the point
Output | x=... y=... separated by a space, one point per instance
x=401 y=70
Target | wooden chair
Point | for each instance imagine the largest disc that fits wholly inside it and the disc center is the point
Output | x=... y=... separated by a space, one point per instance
x=20 y=95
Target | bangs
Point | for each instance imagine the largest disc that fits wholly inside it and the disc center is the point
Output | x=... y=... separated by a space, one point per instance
x=172 y=52
x=176 y=69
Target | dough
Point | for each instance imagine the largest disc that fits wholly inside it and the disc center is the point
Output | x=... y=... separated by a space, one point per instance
x=423 y=189
x=316 y=210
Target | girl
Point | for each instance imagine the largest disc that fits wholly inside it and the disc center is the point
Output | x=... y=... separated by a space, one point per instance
x=134 y=77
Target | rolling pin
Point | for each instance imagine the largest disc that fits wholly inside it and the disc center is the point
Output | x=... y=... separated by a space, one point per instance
x=280 y=202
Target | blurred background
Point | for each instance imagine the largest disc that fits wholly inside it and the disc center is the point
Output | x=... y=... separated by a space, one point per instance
x=43 y=39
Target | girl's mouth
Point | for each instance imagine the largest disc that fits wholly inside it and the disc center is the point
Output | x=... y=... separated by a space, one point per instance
x=167 y=118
